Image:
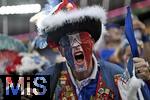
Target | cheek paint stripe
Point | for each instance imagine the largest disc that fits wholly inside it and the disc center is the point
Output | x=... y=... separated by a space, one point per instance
x=69 y=56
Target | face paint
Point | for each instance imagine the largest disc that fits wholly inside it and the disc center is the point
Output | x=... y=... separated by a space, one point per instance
x=87 y=45
x=64 y=43
x=77 y=50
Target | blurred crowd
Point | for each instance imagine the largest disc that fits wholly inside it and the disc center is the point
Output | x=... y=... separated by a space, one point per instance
x=18 y=59
x=116 y=48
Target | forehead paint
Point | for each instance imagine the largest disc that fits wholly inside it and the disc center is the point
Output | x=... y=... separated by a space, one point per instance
x=74 y=40
x=85 y=37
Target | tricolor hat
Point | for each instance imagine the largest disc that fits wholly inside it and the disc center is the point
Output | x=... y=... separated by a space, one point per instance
x=89 y=19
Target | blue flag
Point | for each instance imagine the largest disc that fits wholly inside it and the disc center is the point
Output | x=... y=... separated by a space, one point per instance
x=129 y=32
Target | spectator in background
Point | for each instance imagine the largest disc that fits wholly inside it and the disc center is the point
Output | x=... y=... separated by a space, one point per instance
x=146 y=40
x=142 y=39
x=123 y=53
x=125 y=50
x=142 y=34
x=139 y=28
x=141 y=31
x=113 y=36
x=112 y=40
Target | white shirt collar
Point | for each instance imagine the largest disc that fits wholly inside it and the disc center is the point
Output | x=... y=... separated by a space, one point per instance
x=93 y=75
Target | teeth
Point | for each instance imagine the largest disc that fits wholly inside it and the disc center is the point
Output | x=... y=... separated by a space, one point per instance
x=78 y=53
x=79 y=60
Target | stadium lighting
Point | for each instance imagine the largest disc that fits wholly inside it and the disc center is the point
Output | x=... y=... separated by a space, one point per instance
x=20 y=9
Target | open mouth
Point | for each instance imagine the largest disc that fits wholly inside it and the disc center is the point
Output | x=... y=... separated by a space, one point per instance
x=79 y=57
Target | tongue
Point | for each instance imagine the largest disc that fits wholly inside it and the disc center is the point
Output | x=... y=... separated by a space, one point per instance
x=79 y=60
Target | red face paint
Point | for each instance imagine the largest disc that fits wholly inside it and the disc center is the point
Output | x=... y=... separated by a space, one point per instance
x=87 y=45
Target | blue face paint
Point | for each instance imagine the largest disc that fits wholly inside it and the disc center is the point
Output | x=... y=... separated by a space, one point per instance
x=64 y=42
x=72 y=47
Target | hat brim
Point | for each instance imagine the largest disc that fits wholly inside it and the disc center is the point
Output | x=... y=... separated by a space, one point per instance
x=90 y=25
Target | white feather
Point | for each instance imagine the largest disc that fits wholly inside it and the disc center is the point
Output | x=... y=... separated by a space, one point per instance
x=53 y=21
